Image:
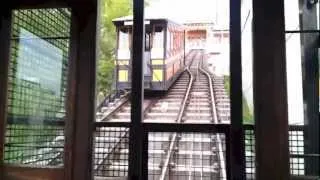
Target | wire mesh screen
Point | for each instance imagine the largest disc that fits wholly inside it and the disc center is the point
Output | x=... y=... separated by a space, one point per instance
x=34 y=144
x=250 y=153
x=37 y=86
x=296 y=148
x=111 y=152
x=296 y=151
x=180 y=156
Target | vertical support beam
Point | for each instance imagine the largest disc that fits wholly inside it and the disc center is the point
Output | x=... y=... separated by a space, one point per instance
x=136 y=132
x=184 y=47
x=116 y=69
x=270 y=90
x=228 y=155
x=71 y=100
x=237 y=132
x=82 y=91
x=310 y=71
x=5 y=31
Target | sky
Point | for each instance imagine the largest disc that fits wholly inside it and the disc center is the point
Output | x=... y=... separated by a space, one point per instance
x=189 y=10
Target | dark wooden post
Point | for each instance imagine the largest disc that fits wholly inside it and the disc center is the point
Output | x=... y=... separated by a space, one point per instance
x=137 y=92
x=5 y=31
x=81 y=102
x=237 y=133
x=270 y=90
x=184 y=48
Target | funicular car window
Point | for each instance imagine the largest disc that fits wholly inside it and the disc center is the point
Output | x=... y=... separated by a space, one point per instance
x=124 y=38
x=158 y=36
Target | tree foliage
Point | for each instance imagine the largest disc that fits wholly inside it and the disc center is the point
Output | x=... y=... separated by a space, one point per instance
x=247 y=115
x=110 y=9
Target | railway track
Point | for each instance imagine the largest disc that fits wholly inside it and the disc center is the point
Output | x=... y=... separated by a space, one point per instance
x=111 y=140
x=194 y=98
x=190 y=155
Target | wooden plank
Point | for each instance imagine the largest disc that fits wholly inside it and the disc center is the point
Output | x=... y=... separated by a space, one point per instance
x=5 y=34
x=270 y=90
x=32 y=173
x=237 y=133
x=82 y=93
x=33 y=4
x=71 y=100
x=184 y=128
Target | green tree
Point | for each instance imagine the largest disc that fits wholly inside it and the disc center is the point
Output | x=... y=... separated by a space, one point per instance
x=247 y=116
x=110 y=9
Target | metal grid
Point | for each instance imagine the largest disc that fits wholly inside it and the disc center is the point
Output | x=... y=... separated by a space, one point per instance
x=180 y=156
x=111 y=152
x=296 y=148
x=37 y=86
x=250 y=153
x=296 y=151
x=34 y=144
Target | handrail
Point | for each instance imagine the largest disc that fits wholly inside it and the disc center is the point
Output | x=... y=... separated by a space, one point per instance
x=173 y=139
x=215 y=120
x=126 y=99
x=110 y=98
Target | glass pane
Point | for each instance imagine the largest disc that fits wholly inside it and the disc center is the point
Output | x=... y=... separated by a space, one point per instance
x=124 y=34
x=247 y=62
x=294 y=78
x=157 y=50
x=304 y=110
x=301 y=13
x=200 y=43
x=174 y=41
x=114 y=61
x=37 y=87
x=111 y=144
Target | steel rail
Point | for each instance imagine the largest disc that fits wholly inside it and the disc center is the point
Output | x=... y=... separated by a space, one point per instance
x=174 y=137
x=192 y=144
x=118 y=107
x=108 y=99
x=114 y=148
x=117 y=143
x=215 y=120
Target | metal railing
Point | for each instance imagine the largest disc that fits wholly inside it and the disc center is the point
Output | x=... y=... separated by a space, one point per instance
x=296 y=151
x=167 y=146
x=111 y=98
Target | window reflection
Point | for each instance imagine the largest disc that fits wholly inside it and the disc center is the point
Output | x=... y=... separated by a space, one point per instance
x=37 y=87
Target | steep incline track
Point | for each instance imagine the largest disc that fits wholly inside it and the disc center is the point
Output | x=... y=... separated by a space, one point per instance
x=191 y=156
x=196 y=97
